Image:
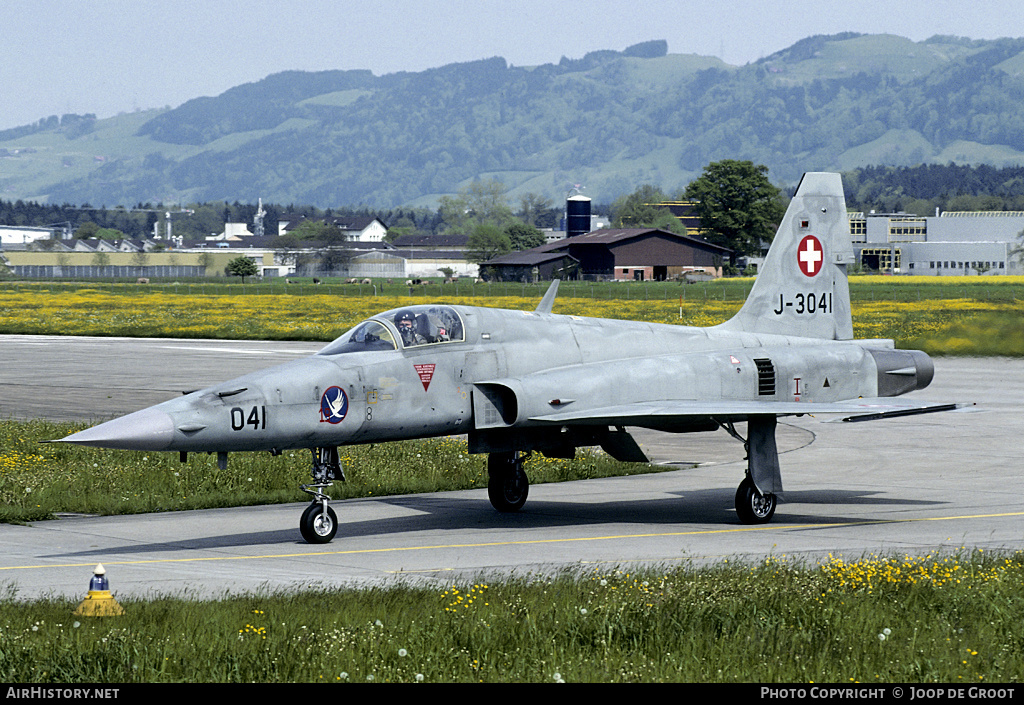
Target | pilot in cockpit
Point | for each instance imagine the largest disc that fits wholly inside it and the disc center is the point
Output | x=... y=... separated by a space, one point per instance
x=405 y=321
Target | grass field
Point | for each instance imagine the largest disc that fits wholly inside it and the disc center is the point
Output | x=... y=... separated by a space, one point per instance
x=951 y=619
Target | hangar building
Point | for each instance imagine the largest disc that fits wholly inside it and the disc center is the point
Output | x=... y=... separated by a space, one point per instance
x=635 y=254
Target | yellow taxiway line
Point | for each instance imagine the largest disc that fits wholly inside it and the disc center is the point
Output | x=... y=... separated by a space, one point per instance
x=491 y=544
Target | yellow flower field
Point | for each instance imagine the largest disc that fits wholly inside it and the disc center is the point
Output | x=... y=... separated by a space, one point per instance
x=957 y=326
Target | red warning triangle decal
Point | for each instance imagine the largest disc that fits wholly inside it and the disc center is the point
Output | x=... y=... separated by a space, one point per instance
x=426 y=373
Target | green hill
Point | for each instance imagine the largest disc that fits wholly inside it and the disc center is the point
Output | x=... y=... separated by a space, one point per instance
x=610 y=121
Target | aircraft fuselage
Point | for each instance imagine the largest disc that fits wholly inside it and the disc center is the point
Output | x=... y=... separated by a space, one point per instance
x=511 y=368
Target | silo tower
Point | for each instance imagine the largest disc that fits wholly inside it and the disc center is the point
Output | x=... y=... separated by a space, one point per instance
x=577 y=215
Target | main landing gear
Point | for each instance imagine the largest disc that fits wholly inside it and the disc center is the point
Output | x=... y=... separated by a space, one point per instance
x=319 y=523
x=757 y=495
x=507 y=484
x=752 y=507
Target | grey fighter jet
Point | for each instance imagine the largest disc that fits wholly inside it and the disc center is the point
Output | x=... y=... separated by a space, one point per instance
x=519 y=382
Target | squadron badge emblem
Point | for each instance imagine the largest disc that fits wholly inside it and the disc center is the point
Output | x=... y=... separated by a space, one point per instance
x=333 y=405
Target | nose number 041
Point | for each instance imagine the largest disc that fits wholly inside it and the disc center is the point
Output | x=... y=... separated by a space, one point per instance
x=256 y=418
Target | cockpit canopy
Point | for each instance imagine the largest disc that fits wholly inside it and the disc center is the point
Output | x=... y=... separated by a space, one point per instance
x=412 y=326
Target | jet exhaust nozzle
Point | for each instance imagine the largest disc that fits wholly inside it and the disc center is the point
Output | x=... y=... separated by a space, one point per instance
x=902 y=371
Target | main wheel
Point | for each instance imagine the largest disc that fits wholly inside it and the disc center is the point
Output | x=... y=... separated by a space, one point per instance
x=752 y=506
x=507 y=485
x=316 y=525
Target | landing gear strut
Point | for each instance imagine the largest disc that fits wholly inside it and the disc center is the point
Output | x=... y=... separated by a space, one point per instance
x=319 y=523
x=507 y=485
x=757 y=495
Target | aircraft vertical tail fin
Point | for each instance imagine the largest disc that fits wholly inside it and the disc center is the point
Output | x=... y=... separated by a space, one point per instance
x=801 y=288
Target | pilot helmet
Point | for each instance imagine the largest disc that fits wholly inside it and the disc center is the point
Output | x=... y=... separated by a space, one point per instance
x=404 y=315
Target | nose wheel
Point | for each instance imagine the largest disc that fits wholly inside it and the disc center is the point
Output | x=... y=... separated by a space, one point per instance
x=319 y=523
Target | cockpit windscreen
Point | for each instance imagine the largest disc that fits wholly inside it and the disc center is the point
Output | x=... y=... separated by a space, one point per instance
x=368 y=335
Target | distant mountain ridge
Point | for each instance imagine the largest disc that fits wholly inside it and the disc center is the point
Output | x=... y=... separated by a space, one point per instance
x=610 y=121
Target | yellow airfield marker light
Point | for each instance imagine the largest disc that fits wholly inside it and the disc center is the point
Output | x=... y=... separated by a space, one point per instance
x=99 y=602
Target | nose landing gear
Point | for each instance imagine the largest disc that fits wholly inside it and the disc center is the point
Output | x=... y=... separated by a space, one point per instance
x=319 y=523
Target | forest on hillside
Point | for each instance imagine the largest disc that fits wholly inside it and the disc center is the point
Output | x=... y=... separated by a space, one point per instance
x=924 y=188
x=612 y=120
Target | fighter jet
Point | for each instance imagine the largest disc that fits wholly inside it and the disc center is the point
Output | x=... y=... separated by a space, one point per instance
x=518 y=382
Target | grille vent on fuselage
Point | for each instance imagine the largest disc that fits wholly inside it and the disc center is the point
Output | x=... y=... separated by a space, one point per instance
x=765 y=377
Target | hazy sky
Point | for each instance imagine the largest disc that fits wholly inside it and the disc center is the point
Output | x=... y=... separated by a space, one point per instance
x=111 y=56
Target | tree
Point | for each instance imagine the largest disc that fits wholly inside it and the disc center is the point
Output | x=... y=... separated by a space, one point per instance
x=310 y=229
x=289 y=250
x=101 y=260
x=737 y=205
x=108 y=234
x=86 y=230
x=486 y=242
x=1017 y=250
x=524 y=237
x=534 y=208
x=241 y=267
x=333 y=254
x=205 y=260
x=480 y=202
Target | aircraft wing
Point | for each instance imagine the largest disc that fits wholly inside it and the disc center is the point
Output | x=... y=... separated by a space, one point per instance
x=662 y=413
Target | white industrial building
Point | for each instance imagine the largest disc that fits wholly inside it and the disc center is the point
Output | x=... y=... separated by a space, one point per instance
x=951 y=243
x=19 y=235
x=354 y=228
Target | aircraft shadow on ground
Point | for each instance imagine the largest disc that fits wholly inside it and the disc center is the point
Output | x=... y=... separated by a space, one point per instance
x=707 y=509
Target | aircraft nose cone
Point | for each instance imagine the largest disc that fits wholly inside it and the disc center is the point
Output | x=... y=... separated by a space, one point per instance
x=149 y=429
